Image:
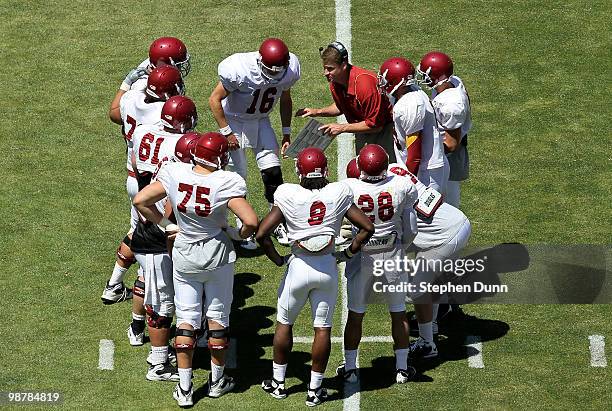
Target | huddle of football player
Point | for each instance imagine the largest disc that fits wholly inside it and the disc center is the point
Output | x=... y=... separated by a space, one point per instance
x=181 y=191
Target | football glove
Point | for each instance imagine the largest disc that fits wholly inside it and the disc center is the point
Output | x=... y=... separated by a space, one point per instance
x=132 y=77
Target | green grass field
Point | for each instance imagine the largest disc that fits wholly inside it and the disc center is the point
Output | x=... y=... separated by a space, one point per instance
x=538 y=73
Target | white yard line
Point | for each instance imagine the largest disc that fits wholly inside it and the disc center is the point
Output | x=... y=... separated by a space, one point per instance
x=352 y=397
x=472 y=342
x=597 y=345
x=106 y=360
x=339 y=340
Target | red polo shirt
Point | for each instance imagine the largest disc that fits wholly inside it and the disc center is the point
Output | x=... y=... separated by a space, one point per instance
x=361 y=100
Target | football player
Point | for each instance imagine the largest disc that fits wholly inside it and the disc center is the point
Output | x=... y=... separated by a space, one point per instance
x=443 y=231
x=249 y=86
x=153 y=142
x=452 y=106
x=313 y=211
x=163 y=51
x=388 y=201
x=149 y=243
x=137 y=107
x=421 y=145
x=203 y=255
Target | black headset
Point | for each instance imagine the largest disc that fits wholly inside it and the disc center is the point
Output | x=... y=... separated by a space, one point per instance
x=339 y=47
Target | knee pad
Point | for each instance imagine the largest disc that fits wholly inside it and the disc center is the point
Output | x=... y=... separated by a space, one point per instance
x=181 y=332
x=127 y=259
x=139 y=288
x=219 y=335
x=272 y=178
x=154 y=320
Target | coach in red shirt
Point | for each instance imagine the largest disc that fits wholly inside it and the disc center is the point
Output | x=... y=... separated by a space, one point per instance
x=355 y=95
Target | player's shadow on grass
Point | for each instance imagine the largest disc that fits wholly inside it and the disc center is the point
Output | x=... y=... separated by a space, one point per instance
x=451 y=347
x=246 y=324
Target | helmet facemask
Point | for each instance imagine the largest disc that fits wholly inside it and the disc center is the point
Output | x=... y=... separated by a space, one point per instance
x=424 y=78
x=272 y=74
x=383 y=85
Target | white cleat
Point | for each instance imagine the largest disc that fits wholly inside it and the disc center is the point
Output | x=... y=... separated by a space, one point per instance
x=162 y=372
x=349 y=377
x=249 y=243
x=423 y=349
x=281 y=235
x=135 y=339
x=403 y=376
x=183 y=398
x=223 y=385
x=115 y=293
x=316 y=397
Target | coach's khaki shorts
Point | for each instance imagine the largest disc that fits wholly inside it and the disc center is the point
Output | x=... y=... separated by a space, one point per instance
x=383 y=138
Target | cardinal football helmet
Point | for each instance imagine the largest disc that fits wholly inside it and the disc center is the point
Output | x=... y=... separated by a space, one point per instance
x=185 y=145
x=179 y=114
x=394 y=73
x=352 y=170
x=211 y=149
x=435 y=68
x=273 y=59
x=311 y=163
x=165 y=82
x=170 y=50
x=373 y=161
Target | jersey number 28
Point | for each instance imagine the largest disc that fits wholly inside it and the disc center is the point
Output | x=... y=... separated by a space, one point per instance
x=385 y=206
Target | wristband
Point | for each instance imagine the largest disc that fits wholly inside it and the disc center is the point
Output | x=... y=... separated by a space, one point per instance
x=286 y=130
x=125 y=86
x=226 y=131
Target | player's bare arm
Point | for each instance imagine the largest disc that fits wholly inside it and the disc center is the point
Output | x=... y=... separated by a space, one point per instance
x=333 y=129
x=145 y=201
x=114 y=112
x=452 y=139
x=266 y=227
x=214 y=101
x=286 y=110
x=246 y=214
x=363 y=223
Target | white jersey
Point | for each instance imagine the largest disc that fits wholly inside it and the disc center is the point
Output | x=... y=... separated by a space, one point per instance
x=310 y=213
x=439 y=228
x=199 y=201
x=152 y=144
x=412 y=113
x=387 y=203
x=134 y=112
x=452 y=107
x=251 y=95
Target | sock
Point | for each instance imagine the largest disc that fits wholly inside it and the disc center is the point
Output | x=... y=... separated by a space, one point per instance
x=117 y=275
x=185 y=378
x=426 y=331
x=217 y=371
x=316 y=379
x=350 y=359
x=278 y=371
x=138 y=323
x=434 y=311
x=401 y=358
x=159 y=355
